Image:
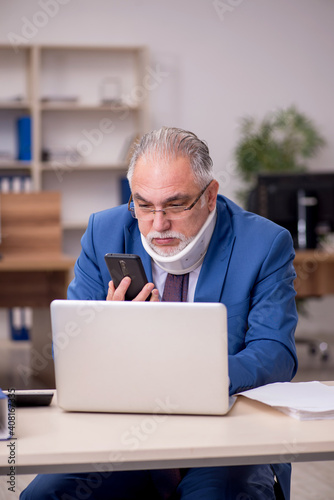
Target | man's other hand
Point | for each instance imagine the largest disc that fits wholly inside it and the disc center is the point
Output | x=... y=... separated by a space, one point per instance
x=119 y=292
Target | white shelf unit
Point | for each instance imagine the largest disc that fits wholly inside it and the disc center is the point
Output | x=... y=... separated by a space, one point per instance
x=87 y=104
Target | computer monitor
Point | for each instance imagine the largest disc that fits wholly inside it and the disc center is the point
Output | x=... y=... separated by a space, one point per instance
x=303 y=203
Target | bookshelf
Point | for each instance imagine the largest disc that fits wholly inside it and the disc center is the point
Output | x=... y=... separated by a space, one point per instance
x=87 y=104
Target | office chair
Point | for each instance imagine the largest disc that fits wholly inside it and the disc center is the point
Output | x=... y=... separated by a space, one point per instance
x=315 y=346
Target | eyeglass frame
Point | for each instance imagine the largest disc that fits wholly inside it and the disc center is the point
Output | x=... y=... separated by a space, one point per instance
x=154 y=211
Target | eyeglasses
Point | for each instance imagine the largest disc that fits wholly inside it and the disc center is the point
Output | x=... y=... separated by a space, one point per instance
x=173 y=212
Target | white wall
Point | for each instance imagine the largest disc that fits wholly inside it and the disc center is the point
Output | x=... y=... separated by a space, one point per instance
x=248 y=57
x=218 y=63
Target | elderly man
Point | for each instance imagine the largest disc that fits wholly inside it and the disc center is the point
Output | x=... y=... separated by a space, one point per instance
x=182 y=229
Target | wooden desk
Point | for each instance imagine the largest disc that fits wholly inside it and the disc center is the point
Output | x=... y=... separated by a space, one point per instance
x=50 y=440
x=315 y=273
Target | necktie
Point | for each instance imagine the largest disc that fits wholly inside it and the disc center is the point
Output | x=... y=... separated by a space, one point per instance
x=176 y=290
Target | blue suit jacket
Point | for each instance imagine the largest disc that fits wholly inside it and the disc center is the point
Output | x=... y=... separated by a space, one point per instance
x=248 y=267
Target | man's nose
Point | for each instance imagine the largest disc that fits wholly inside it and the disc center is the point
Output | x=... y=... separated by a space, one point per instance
x=161 y=221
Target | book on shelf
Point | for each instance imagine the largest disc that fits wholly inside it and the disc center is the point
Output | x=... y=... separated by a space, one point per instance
x=15 y=184
x=24 y=138
x=20 y=321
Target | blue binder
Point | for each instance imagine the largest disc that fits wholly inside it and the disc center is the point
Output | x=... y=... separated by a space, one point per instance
x=19 y=330
x=24 y=138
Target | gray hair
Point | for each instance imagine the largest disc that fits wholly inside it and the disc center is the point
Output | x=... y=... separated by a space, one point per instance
x=171 y=143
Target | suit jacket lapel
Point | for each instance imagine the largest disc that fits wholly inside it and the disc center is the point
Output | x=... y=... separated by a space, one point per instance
x=215 y=265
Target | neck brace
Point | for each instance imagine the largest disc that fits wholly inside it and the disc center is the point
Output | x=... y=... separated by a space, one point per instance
x=191 y=256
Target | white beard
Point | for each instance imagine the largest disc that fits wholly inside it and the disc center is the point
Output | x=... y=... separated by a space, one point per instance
x=168 y=252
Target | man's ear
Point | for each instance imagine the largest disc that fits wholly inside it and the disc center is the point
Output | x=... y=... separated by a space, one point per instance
x=212 y=193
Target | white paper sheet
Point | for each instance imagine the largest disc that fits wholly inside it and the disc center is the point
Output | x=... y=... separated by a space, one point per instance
x=301 y=400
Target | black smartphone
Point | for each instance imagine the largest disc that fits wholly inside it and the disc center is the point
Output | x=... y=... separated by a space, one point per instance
x=32 y=397
x=121 y=265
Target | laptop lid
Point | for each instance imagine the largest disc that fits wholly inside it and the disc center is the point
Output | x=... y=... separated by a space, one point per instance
x=141 y=357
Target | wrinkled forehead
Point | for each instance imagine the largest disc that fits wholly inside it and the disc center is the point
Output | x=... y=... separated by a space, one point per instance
x=164 y=169
x=160 y=156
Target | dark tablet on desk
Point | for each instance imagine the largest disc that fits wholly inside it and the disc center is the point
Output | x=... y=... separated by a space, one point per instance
x=32 y=397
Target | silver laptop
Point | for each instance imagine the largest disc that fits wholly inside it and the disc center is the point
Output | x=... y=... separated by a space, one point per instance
x=141 y=357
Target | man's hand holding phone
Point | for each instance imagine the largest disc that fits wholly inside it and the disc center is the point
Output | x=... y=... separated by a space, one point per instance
x=119 y=292
x=129 y=281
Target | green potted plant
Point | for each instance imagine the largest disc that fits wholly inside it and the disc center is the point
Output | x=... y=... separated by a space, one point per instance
x=280 y=142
